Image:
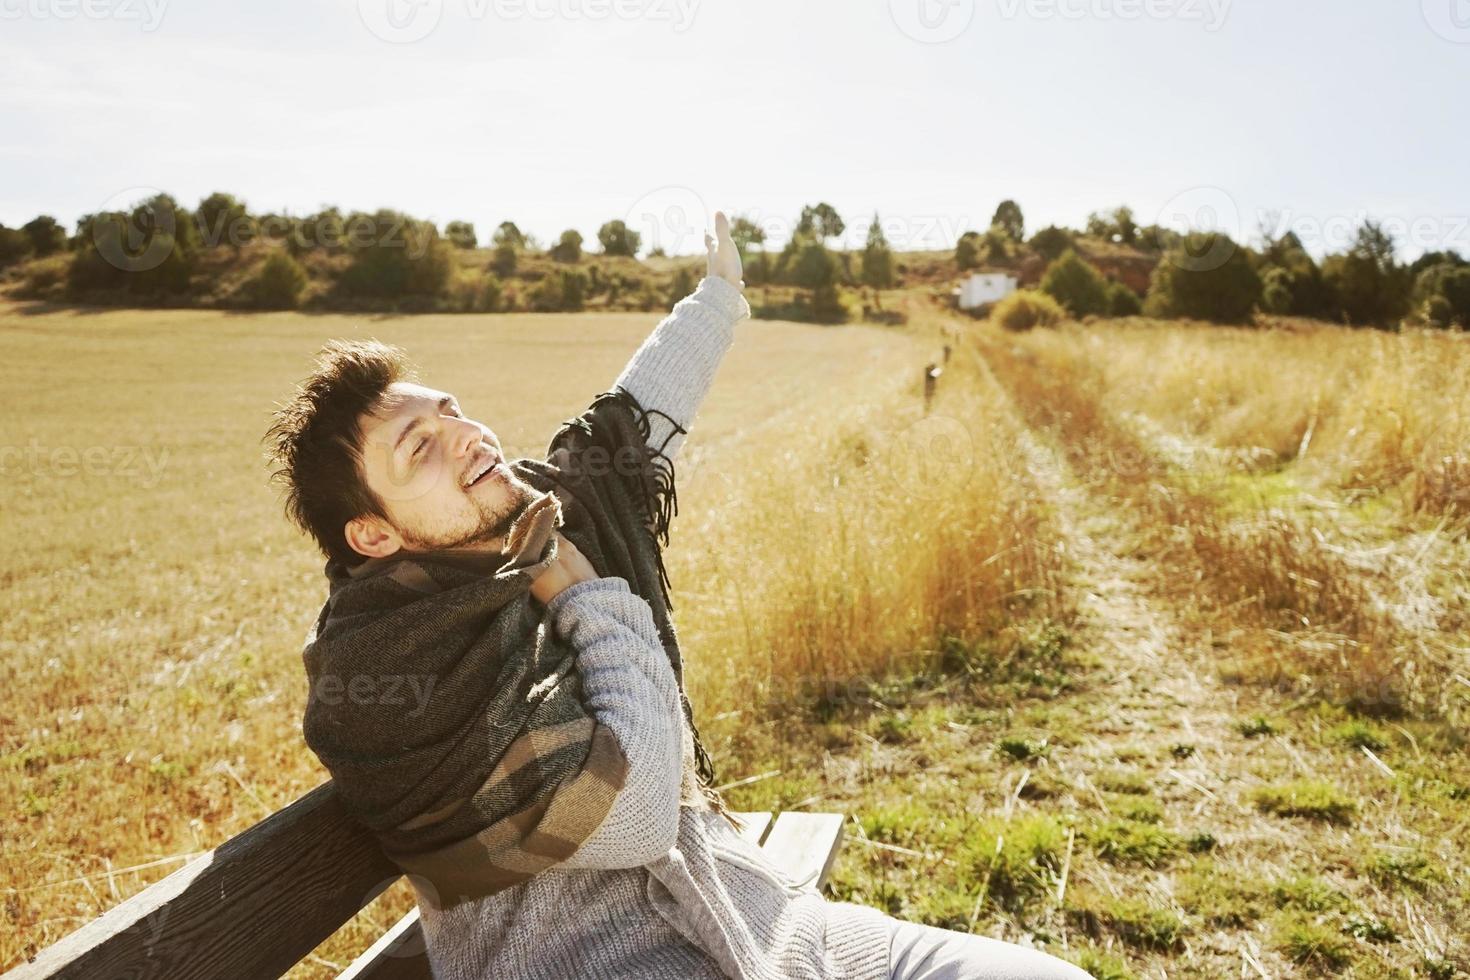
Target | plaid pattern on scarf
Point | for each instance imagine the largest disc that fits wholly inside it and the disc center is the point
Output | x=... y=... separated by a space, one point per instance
x=500 y=772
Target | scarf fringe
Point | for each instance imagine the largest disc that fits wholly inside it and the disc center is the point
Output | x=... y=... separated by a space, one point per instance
x=660 y=498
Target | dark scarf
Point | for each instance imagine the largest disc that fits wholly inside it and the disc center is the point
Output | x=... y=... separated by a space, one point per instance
x=497 y=771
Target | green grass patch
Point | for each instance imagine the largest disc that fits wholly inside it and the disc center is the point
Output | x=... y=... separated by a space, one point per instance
x=1012 y=862
x=1020 y=749
x=1131 y=920
x=1125 y=781
x=1307 y=893
x=1131 y=842
x=1103 y=966
x=1222 y=898
x=1311 y=799
x=1361 y=735
x=1257 y=727
x=1312 y=944
x=1404 y=868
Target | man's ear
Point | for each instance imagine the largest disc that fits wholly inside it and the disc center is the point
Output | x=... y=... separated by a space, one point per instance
x=372 y=537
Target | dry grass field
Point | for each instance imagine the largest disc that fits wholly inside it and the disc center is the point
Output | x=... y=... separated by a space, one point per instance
x=1147 y=644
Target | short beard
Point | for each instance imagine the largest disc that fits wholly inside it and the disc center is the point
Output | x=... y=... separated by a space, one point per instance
x=493 y=524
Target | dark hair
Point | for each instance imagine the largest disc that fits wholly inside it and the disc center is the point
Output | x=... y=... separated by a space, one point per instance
x=316 y=440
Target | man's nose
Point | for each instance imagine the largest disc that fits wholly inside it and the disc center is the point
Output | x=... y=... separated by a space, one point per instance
x=466 y=436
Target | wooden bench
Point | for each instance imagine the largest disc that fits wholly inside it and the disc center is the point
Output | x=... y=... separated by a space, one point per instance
x=261 y=901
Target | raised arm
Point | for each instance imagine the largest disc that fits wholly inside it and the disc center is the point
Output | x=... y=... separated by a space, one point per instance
x=629 y=686
x=672 y=371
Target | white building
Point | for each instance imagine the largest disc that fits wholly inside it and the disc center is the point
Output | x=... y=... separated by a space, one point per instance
x=985 y=288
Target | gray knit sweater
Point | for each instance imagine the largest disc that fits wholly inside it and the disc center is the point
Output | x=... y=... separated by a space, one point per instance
x=661 y=890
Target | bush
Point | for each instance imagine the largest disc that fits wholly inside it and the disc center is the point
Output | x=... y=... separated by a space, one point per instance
x=1123 y=301
x=1076 y=285
x=1051 y=242
x=564 y=291
x=45 y=235
x=149 y=251
x=1442 y=293
x=568 y=248
x=394 y=256
x=14 y=246
x=279 y=283
x=967 y=251
x=617 y=238
x=1205 y=277
x=461 y=234
x=1028 y=308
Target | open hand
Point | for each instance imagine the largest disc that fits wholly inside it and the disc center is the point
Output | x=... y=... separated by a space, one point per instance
x=724 y=257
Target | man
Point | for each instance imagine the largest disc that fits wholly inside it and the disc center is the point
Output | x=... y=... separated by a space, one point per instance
x=549 y=797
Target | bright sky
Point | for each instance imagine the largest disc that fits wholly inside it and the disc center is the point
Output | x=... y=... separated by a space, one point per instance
x=566 y=113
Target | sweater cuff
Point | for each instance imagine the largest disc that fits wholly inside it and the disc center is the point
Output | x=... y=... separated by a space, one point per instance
x=560 y=603
x=724 y=297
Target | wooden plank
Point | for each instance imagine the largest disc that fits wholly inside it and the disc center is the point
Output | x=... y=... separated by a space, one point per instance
x=399 y=954
x=756 y=825
x=804 y=845
x=252 y=907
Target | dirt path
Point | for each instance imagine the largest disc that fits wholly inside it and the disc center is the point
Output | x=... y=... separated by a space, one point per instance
x=1159 y=709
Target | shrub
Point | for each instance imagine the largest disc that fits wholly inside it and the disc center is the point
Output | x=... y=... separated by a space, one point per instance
x=1027 y=308
x=279 y=283
x=967 y=251
x=568 y=248
x=461 y=234
x=1205 y=277
x=1123 y=301
x=1076 y=285
x=223 y=220
x=492 y=295
x=1443 y=294
x=149 y=251
x=45 y=235
x=394 y=256
x=1051 y=242
x=14 y=246
x=505 y=260
x=617 y=238
x=564 y=291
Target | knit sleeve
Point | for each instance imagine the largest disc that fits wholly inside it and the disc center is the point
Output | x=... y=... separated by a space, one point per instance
x=629 y=686
x=672 y=371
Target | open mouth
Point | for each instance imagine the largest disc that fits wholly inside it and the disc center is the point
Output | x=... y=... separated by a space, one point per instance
x=488 y=468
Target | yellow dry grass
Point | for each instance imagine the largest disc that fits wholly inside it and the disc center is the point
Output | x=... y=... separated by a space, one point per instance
x=1181 y=501
x=158 y=599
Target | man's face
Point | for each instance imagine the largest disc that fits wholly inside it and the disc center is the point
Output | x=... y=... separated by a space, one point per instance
x=442 y=478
